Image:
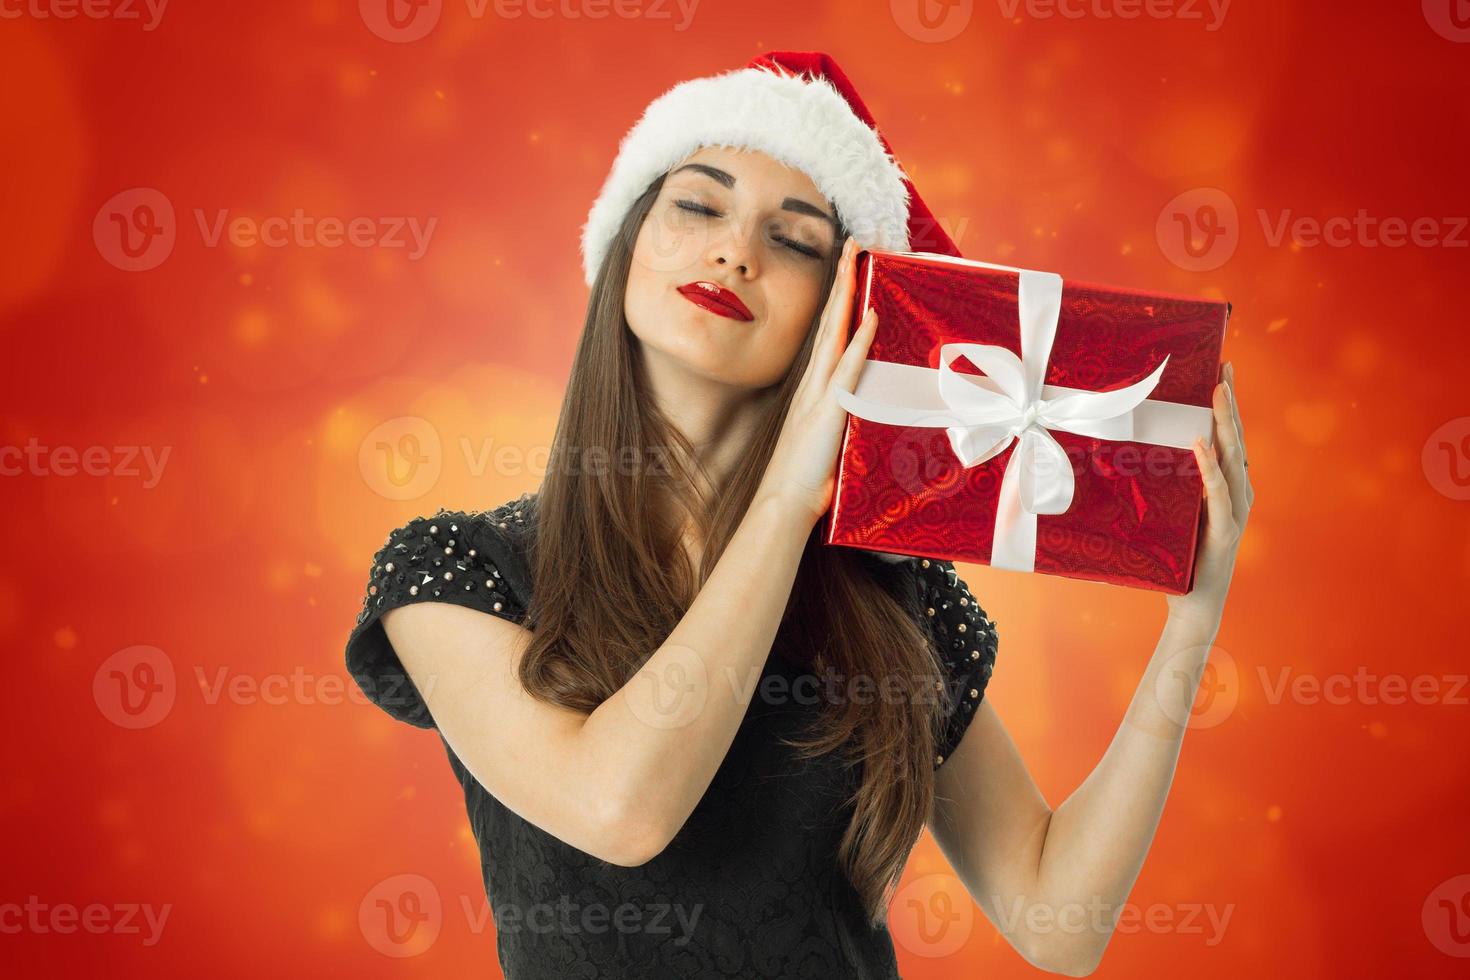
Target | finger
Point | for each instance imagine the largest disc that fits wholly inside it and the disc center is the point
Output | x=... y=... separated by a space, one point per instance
x=1248 y=492
x=1232 y=459
x=840 y=281
x=850 y=367
x=832 y=333
x=1245 y=455
x=1217 y=492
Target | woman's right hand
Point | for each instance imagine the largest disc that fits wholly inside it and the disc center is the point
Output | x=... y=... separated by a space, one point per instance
x=803 y=467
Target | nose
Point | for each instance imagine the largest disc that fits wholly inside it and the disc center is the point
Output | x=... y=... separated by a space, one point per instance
x=734 y=250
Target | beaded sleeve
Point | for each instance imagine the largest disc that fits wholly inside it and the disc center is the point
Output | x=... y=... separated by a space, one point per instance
x=450 y=557
x=964 y=639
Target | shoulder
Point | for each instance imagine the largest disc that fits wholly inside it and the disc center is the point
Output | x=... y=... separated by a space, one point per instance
x=456 y=550
x=475 y=559
x=965 y=642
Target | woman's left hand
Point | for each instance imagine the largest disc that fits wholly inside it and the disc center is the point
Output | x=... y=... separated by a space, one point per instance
x=1228 y=498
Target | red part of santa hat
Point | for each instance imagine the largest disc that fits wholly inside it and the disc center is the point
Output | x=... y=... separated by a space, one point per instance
x=798 y=107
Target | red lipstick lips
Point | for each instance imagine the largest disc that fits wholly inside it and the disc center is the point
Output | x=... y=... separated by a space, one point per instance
x=716 y=298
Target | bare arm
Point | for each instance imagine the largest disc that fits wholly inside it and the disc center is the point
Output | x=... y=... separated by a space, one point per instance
x=1055 y=882
x=617 y=783
x=620 y=782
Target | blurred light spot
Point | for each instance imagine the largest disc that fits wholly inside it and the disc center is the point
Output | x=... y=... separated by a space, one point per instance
x=252 y=327
x=66 y=638
x=1359 y=355
x=321 y=306
x=353 y=79
x=1314 y=423
x=1273 y=813
x=343 y=432
x=332 y=923
x=279 y=576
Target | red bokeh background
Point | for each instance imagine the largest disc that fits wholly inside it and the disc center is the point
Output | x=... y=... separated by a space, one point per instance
x=266 y=804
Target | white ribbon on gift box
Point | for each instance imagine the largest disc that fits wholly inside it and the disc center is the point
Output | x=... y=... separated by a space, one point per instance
x=984 y=415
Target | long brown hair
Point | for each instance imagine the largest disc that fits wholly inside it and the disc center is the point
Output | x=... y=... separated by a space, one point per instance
x=593 y=631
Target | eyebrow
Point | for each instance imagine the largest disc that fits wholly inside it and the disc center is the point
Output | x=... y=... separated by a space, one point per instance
x=794 y=204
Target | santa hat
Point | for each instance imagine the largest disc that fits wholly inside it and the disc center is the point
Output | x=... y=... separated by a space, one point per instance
x=799 y=108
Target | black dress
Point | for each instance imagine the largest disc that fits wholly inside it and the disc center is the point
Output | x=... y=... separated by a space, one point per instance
x=750 y=886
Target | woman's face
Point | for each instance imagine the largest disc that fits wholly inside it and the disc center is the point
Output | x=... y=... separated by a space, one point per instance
x=744 y=222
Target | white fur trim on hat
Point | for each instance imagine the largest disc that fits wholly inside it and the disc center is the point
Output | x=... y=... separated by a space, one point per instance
x=803 y=122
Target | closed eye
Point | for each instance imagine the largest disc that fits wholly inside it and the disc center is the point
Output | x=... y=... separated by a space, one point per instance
x=795 y=246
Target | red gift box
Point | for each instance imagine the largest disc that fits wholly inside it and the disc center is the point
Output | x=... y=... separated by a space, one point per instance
x=1008 y=418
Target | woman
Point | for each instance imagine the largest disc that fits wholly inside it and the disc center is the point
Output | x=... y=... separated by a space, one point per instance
x=703 y=737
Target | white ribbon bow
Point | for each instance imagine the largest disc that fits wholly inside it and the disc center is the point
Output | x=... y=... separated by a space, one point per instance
x=984 y=416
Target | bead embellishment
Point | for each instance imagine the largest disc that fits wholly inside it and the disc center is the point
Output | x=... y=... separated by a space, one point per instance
x=427 y=563
x=964 y=649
